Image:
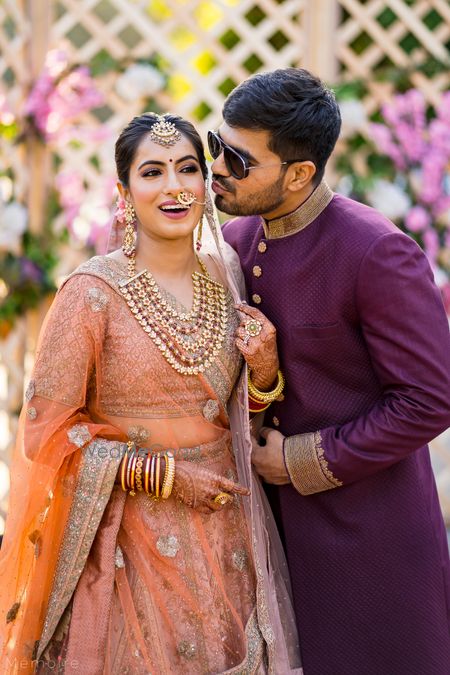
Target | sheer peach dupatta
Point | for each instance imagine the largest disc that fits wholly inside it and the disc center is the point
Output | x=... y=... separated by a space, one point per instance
x=58 y=447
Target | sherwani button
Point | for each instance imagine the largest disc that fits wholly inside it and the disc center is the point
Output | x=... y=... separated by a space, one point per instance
x=262 y=247
x=257 y=271
x=276 y=422
x=256 y=298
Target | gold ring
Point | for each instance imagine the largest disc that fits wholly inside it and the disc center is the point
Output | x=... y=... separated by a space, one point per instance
x=253 y=327
x=223 y=498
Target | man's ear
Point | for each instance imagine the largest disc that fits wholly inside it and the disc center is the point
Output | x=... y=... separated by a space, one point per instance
x=300 y=175
x=123 y=191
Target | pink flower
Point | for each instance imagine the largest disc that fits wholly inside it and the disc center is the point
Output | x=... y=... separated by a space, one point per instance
x=71 y=193
x=433 y=169
x=57 y=99
x=119 y=213
x=445 y=290
x=406 y=119
x=441 y=207
x=382 y=137
x=443 y=109
x=417 y=219
x=431 y=244
x=439 y=133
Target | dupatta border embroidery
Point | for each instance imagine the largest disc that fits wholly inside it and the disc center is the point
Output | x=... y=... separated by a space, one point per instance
x=94 y=486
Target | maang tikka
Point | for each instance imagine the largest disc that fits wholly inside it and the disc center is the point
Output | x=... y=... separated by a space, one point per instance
x=164 y=132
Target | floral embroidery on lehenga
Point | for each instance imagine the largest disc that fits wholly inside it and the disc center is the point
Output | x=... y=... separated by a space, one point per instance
x=239 y=559
x=30 y=392
x=79 y=435
x=168 y=545
x=32 y=413
x=138 y=434
x=96 y=299
x=211 y=409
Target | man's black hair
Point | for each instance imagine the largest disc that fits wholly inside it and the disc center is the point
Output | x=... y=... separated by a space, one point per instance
x=295 y=107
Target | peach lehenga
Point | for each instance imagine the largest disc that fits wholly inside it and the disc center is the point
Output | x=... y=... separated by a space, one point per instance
x=100 y=582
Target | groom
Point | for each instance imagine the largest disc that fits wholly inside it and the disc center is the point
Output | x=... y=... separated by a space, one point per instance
x=364 y=346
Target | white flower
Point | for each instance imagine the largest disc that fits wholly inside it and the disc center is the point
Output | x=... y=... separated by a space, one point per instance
x=440 y=277
x=345 y=186
x=140 y=80
x=389 y=199
x=13 y=223
x=353 y=116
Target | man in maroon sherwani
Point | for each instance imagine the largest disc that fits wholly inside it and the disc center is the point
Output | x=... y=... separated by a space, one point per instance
x=364 y=346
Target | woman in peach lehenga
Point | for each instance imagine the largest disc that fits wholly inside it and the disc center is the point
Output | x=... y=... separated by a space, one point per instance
x=94 y=579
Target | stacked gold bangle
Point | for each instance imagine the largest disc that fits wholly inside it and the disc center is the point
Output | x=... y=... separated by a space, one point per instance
x=169 y=476
x=262 y=399
x=142 y=473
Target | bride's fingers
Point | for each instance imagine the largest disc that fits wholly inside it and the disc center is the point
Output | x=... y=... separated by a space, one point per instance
x=251 y=312
x=230 y=486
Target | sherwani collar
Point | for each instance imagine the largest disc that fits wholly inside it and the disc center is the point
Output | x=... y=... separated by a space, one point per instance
x=297 y=220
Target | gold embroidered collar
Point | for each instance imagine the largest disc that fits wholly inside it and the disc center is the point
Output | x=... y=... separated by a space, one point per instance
x=301 y=217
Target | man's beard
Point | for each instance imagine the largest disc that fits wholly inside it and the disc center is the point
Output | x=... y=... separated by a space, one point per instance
x=257 y=203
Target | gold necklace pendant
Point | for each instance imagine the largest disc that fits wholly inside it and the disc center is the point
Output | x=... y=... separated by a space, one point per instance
x=189 y=341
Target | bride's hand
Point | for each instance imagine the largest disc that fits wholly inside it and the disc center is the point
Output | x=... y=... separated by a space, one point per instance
x=260 y=351
x=198 y=487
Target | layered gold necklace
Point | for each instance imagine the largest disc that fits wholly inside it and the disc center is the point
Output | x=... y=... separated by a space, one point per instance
x=189 y=341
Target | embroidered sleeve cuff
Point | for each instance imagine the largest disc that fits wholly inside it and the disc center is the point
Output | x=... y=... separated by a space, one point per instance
x=307 y=465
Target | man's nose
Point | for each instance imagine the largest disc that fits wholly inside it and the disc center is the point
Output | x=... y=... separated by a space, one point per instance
x=218 y=167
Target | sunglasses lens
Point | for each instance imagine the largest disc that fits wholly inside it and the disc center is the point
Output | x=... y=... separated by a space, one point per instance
x=234 y=163
x=214 y=145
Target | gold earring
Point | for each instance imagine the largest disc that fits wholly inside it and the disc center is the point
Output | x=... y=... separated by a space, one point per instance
x=129 y=237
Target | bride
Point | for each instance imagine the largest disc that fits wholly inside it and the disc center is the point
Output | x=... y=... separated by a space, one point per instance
x=138 y=540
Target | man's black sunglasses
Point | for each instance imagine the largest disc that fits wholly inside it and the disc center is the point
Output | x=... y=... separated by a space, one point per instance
x=237 y=165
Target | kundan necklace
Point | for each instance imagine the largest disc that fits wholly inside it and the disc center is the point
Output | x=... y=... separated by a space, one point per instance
x=188 y=341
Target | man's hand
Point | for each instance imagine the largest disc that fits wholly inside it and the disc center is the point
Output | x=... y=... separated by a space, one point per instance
x=268 y=459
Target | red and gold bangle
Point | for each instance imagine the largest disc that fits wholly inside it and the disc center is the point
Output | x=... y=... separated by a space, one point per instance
x=169 y=475
x=256 y=406
x=152 y=475
x=147 y=475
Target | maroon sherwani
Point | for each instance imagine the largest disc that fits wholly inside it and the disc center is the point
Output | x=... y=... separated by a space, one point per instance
x=364 y=345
